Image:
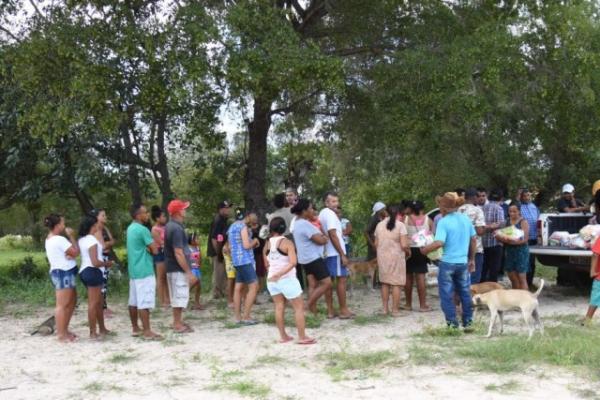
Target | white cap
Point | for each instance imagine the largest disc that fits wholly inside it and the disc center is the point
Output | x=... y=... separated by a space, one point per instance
x=378 y=207
x=568 y=188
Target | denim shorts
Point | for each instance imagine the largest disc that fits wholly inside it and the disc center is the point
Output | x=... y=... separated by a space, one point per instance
x=64 y=279
x=245 y=274
x=160 y=256
x=197 y=273
x=92 y=277
x=288 y=287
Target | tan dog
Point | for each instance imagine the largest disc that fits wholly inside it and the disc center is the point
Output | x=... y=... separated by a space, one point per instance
x=499 y=301
x=364 y=268
x=484 y=287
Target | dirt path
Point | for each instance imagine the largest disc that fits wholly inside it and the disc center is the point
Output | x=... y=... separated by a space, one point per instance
x=220 y=362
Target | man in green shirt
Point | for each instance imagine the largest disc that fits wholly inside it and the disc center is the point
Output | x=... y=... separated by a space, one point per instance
x=142 y=282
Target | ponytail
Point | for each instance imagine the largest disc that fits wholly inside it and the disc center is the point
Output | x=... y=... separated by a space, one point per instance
x=393 y=211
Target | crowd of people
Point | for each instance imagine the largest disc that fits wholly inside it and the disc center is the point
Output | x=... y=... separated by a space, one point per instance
x=299 y=251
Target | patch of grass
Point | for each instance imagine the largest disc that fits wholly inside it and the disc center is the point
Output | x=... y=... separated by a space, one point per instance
x=363 y=320
x=172 y=340
x=585 y=393
x=566 y=345
x=311 y=321
x=268 y=359
x=231 y=325
x=97 y=387
x=244 y=388
x=345 y=366
x=122 y=358
x=507 y=387
x=547 y=273
x=439 y=332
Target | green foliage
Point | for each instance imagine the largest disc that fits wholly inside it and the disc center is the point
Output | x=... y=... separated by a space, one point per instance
x=345 y=365
x=16 y=242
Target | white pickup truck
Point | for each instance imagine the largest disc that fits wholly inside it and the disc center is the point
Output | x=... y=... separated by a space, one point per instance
x=565 y=258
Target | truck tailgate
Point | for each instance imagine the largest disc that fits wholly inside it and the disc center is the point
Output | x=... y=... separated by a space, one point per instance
x=559 y=251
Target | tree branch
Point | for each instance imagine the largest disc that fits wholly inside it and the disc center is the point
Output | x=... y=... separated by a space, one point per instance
x=37 y=10
x=9 y=33
x=290 y=107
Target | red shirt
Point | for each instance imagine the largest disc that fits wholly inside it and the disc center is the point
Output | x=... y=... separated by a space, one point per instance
x=596 y=251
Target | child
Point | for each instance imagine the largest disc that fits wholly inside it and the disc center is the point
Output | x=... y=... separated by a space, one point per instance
x=196 y=259
x=230 y=270
x=594 y=273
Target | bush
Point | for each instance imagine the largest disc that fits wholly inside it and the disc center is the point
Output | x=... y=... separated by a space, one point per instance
x=16 y=242
x=25 y=269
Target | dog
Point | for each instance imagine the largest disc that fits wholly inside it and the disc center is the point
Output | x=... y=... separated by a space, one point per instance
x=484 y=287
x=46 y=328
x=364 y=268
x=499 y=301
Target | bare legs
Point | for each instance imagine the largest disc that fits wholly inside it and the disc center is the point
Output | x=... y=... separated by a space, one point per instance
x=96 y=312
x=161 y=283
x=518 y=281
x=145 y=317
x=318 y=289
x=421 y=291
x=65 y=305
x=298 y=305
x=385 y=298
x=248 y=301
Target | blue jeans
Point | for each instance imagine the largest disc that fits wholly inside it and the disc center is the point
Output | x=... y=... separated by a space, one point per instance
x=454 y=278
x=476 y=275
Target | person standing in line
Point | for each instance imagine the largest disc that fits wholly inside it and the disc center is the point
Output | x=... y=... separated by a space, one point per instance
x=242 y=246
x=416 y=264
x=159 y=216
x=280 y=260
x=91 y=275
x=482 y=199
x=214 y=249
x=105 y=238
x=177 y=257
x=391 y=240
x=142 y=283
x=346 y=231
x=61 y=253
x=195 y=264
x=336 y=253
x=456 y=235
x=291 y=197
x=516 y=260
x=475 y=214
x=310 y=242
x=531 y=213
x=379 y=213
x=492 y=249
x=279 y=202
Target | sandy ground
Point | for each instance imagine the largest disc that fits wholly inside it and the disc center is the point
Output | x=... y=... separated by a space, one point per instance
x=209 y=362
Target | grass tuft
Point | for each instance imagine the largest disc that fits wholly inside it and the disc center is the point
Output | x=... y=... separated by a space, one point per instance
x=345 y=366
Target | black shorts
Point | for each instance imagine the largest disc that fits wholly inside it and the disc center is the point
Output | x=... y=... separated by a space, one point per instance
x=317 y=268
x=91 y=277
x=417 y=263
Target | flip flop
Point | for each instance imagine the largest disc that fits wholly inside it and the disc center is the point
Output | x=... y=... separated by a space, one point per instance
x=334 y=316
x=428 y=309
x=286 y=340
x=198 y=308
x=249 y=322
x=307 y=341
x=350 y=316
x=136 y=334
x=186 y=329
x=405 y=308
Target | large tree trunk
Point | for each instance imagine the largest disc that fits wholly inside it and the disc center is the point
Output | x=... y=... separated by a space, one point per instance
x=133 y=176
x=255 y=196
x=162 y=166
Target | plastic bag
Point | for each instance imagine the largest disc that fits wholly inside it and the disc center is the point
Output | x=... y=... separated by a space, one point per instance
x=589 y=232
x=559 y=238
x=425 y=238
x=579 y=243
x=510 y=232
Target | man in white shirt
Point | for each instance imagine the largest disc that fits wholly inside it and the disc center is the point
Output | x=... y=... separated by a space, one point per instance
x=335 y=250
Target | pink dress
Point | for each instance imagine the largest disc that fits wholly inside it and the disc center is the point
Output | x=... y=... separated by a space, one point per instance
x=391 y=259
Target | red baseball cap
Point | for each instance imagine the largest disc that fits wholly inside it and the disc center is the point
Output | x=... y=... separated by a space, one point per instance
x=177 y=205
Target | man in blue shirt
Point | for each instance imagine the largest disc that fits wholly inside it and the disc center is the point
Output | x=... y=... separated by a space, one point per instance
x=456 y=235
x=530 y=212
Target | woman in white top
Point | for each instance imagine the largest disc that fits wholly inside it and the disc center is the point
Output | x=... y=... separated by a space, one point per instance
x=91 y=275
x=61 y=255
x=279 y=255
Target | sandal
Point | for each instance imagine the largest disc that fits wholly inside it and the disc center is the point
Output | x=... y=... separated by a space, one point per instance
x=154 y=338
x=425 y=309
x=249 y=322
x=307 y=341
x=289 y=339
x=349 y=316
x=185 y=329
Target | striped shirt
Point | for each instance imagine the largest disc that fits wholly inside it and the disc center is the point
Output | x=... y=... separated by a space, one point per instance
x=494 y=214
x=530 y=212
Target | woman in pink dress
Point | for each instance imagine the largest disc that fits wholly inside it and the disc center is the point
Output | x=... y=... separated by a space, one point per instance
x=393 y=247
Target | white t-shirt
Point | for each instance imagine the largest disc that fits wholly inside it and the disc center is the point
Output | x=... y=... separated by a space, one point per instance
x=84 y=247
x=56 y=248
x=329 y=220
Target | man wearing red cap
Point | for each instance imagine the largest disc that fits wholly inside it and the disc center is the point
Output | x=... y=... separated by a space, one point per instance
x=177 y=258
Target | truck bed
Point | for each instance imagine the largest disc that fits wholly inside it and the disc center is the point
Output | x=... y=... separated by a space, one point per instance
x=559 y=251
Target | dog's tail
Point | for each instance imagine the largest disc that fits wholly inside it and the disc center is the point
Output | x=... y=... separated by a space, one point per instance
x=537 y=293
